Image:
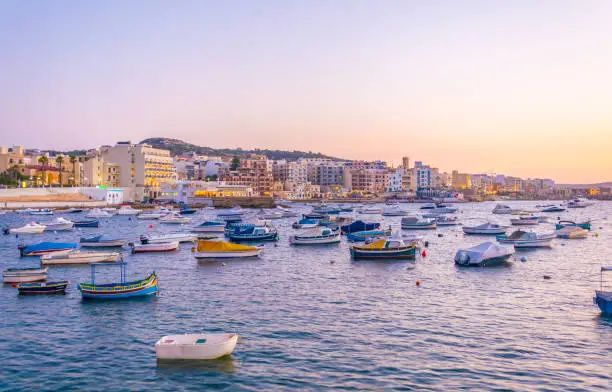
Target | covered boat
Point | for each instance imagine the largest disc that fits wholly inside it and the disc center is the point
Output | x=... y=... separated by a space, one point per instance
x=98 y=213
x=483 y=255
x=255 y=233
x=128 y=210
x=223 y=249
x=317 y=236
x=414 y=223
x=572 y=232
x=502 y=209
x=384 y=248
x=120 y=290
x=45 y=247
x=43 y=288
x=564 y=223
x=174 y=219
x=603 y=297
x=359 y=226
x=19 y=275
x=360 y=236
x=305 y=223
x=180 y=237
x=78 y=257
x=30 y=228
x=485 y=229
x=102 y=241
x=167 y=246
x=195 y=346
x=59 y=224
x=87 y=223
x=209 y=227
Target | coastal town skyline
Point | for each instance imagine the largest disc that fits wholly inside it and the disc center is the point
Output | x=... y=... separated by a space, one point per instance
x=506 y=87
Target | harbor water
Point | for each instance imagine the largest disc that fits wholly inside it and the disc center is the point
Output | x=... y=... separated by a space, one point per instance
x=311 y=318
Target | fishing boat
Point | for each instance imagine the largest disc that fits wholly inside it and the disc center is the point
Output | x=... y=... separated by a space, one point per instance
x=603 y=298
x=174 y=219
x=370 y=210
x=443 y=209
x=180 y=237
x=361 y=236
x=572 y=232
x=98 y=213
x=23 y=275
x=583 y=225
x=483 y=255
x=414 y=223
x=222 y=249
x=485 y=229
x=444 y=220
x=87 y=223
x=235 y=214
x=525 y=239
x=43 y=288
x=384 y=248
x=30 y=228
x=270 y=214
x=525 y=221
x=168 y=246
x=39 y=211
x=255 y=233
x=317 y=236
x=553 y=209
x=359 y=226
x=128 y=210
x=150 y=215
x=74 y=256
x=209 y=227
x=394 y=210
x=59 y=224
x=44 y=247
x=73 y=211
x=346 y=209
x=315 y=215
x=428 y=206
x=199 y=346
x=305 y=224
x=102 y=241
x=502 y=209
x=120 y=290
x=579 y=203
x=287 y=213
x=185 y=210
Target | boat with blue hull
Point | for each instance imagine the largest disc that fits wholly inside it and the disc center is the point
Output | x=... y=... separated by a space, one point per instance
x=305 y=224
x=384 y=249
x=361 y=236
x=43 y=288
x=359 y=226
x=252 y=234
x=553 y=209
x=603 y=298
x=564 y=223
x=44 y=247
x=120 y=290
x=87 y=223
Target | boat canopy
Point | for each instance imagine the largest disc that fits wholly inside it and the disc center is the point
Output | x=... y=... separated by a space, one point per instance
x=222 y=246
x=606 y=269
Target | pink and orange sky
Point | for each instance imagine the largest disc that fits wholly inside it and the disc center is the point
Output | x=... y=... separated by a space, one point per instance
x=515 y=87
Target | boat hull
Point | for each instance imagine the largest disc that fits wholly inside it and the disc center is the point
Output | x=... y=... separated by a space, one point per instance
x=104 y=244
x=533 y=244
x=93 y=223
x=468 y=230
x=409 y=253
x=195 y=351
x=209 y=229
x=24 y=278
x=604 y=301
x=247 y=238
x=428 y=226
x=227 y=255
x=42 y=288
x=79 y=258
x=156 y=247
x=59 y=227
x=297 y=240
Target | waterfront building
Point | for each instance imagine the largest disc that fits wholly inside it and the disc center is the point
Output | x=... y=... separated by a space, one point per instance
x=328 y=173
x=363 y=180
x=461 y=180
x=213 y=166
x=254 y=172
x=201 y=191
x=395 y=179
x=10 y=157
x=290 y=171
x=423 y=175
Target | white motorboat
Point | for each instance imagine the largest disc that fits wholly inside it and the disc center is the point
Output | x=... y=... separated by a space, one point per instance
x=225 y=250
x=443 y=220
x=318 y=236
x=370 y=210
x=443 y=209
x=274 y=214
x=525 y=221
x=174 y=219
x=59 y=224
x=483 y=255
x=150 y=215
x=78 y=257
x=572 y=232
x=209 y=227
x=24 y=275
x=486 y=228
x=30 y=228
x=196 y=346
x=98 y=213
x=414 y=223
x=39 y=211
x=154 y=247
x=180 y=237
x=110 y=210
x=502 y=209
x=128 y=210
x=102 y=241
x=579 y=203
x=394 y=210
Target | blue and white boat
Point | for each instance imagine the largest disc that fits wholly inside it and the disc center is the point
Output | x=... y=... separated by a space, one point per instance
x=119 y=290
x=583 y=225
x=317 y=236
x=305 y=224
x=361 y=236
x=87 y=223
x=359 y=226
x=45 y=247
x=553 y=209
x=414 y=223
x=102 y=241
x=255 y=233
x=483 y=255
x=603 y=298
x=209 y=227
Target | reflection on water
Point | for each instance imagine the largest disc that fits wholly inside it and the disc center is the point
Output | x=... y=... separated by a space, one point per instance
x=225 y=365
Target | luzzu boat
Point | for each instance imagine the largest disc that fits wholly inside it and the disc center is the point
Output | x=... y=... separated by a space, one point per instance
x=318 y=236
x=583 y=225
x=483 y=255
x=44 y=247
x=414 y=223
x=121 y=290
x=384 y=249
x=225 y=250
x=255 y=233
x=43 y=288
x=360 y=236
x=603 y=298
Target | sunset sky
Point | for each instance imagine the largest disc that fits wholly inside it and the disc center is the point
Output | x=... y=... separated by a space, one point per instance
x=514 y=87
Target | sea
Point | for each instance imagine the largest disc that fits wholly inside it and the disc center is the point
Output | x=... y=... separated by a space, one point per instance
x=311 y=318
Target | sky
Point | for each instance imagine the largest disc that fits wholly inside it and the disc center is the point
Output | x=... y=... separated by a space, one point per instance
x=515 y=87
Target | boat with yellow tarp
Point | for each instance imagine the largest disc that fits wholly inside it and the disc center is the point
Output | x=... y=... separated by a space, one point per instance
x=224 y=250
x=120 y=290
x=384 y=249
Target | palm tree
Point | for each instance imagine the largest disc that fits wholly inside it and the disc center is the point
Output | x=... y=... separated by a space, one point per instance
x=60 y=159
x=43 y=160
x=73 y=160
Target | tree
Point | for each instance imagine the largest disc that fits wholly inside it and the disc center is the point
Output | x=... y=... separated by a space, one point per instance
x=73 y=160
x=60 y=160
x=235 y=163
x=43 y=160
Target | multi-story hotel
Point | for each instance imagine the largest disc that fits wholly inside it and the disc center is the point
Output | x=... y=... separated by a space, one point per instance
x=255 y=172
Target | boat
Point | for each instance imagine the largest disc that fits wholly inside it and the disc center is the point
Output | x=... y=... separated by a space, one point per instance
x=255 y=233
x=370 y=210
x=579 y=203
x=235 y=214
x=603 y=298
x=317 y=236
x=87 y=223
x=572 y=232
x=185 y=210
x=412 y=237
x=78 y=257
x=168 y=246
x=98 y=213
x=39 y=211
x=446 y=220
x=502 y=209
x=44 y=247
x=43 y=288
x=360 y=236
x=30 y=228
x=180 y=237
x=359 y=226
x=486 y=229
x=442 y=209
x=526 y=239
x=483 y=255
x=222 y=249
x=553 y=209
x=174 y=219
x=73 y=211
x=270 y=214
x=583 y=225
x=59 y=224
x=199 y=346
x=150 y=215
x=394 y=210
x=305 y=224
x=346 y=209
x=428 y=206
x=120 y=290
x=128 y=210
x=336 y=221
x=525 y=221
x=23 y=275
x=384 y=248
x=414 y=223
x=287 y=213
x=209 y=227
x=110 y=210
x=315 y=215
x=102 y=241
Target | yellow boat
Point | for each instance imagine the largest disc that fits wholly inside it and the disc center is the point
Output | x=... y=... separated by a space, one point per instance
x=223 y=250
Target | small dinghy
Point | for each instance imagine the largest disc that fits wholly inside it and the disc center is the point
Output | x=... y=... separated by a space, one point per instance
x=222 y=250
x=43 y=288
x=603 y=298
x=525 y=221
x=318 y=236
x=305 y=224
x=572 y=232
x=74 y=257
x=209 y=227
x=485 y=229
x=98 y=213
x=87 y=223
x=102 y=241
x=155 y=247
x=30 y=228
x=128 y=210
x=180 y=237
x=44 y=247
x=414 y=223
x=22 y=275
x=174 y=219
x=59 y=224
x=483 y=255
x=196 y=346
x=384 y=249
x=150 y=215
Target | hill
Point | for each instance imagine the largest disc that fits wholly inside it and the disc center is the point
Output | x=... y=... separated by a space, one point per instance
x=178 y=147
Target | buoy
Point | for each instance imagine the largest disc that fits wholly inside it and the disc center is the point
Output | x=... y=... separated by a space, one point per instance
x=424 y=253
x=439 y=234
x=14 y=285
x=150 y=226
x=546 y=276
x=418 y=283
x=426 y=243
x=563 y=244
x=331 y=262
x=596 y=234
x=193 y=249
x=523 y=259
